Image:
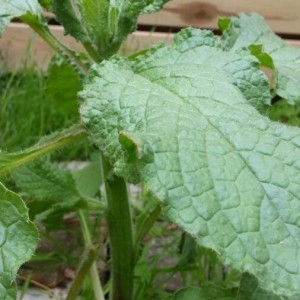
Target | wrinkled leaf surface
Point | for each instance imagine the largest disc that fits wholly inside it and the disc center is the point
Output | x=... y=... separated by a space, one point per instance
x=182 y=120
x=18 y=240
x=246 y=30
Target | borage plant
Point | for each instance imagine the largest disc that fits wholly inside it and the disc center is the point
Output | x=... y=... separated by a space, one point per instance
x=189 y=122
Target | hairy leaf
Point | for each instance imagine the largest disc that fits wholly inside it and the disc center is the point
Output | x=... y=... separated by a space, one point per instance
x=248 y=30
x=182 y=119
x=115 y=20
x=18 y=240
x=102 y=25
x=16 y=8
x=44 y=180
x=62 y=85
x=51 y=188
x=66 y=13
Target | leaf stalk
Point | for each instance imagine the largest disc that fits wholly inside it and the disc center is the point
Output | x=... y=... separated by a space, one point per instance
x=121 y=235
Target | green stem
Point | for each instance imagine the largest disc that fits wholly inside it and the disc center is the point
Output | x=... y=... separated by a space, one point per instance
x=87 y=262
x=145 y=227
x=42 y=29
x=121 y=235
x=94 y=204
x=92 y=53
x=94 y=275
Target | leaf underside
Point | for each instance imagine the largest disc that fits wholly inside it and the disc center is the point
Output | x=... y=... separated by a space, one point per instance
x=246 y=30
x=183 y=120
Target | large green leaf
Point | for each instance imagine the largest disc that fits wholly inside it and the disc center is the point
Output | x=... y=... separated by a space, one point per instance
x=16 y=8
x=18 y=240
x=246 y=30
x=181 y=118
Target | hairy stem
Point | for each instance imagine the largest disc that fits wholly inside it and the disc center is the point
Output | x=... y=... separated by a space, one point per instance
x=42 y=29
x=121 y=235
x=11 y=161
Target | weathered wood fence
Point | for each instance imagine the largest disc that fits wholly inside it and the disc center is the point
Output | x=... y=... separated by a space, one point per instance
x=283 y=16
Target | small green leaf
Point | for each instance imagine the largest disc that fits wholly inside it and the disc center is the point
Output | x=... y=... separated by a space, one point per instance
x=88 y=179
x=18 y=240
x=16 y=8
x=223 y=24
x=62 y=85
x=226 y=174
x=207 y=292
x=264 y=59
x=247 y=30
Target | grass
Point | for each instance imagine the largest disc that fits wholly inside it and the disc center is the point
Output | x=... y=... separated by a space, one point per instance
x=33 y=105
x=22 y=109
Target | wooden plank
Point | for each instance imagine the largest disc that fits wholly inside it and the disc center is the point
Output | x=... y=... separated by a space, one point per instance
x=282 y=15
x=295 y=43
x=19 y=42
